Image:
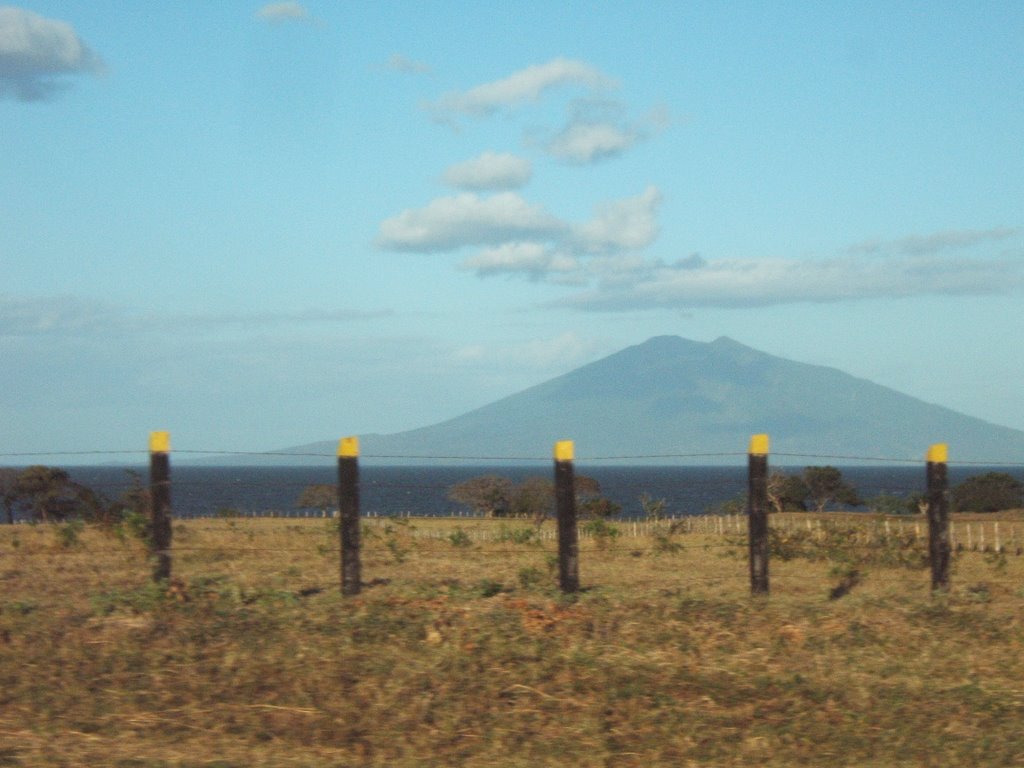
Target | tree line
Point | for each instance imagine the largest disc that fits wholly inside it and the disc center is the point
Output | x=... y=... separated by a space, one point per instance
x=815 y=489
x=49 y=494
x=44 y=494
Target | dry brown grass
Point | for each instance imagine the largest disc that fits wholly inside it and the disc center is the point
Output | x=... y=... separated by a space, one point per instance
x=466 y=655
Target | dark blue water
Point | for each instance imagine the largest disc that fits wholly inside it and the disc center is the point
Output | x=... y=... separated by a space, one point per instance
x=387 y=491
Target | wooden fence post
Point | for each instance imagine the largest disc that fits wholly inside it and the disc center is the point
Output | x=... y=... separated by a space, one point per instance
x=757 y=513
x=937 y=496
x=565 y=506
x=160 y=503
x=348 y=514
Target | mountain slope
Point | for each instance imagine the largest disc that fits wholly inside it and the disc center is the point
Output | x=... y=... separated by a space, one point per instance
x=674 y=397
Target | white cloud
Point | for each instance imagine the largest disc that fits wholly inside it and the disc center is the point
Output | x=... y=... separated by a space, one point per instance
x=627 y=224
x=535 y=260
x=34 y=49
x=522 y=86
x=490 y=171
x=764 y=282
x=30 y=316
x=281 y=12
x=448 y=223
x=77 y=316
x=597 y=129
x=525 y=239
x=399 y=63
x=586 y=142
x=919 y=245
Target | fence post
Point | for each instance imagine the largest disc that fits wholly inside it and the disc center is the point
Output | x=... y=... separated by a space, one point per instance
x=937 y=496
x=160 y=503
x=565 y=506
x=757 y=512
x=348 y=514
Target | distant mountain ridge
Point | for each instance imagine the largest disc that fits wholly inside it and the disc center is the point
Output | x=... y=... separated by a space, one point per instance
x=672 y=400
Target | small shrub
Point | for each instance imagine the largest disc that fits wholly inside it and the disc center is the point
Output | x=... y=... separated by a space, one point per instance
x=997 y=559
x=603 y=532
x=136 y=524
x=848 y=579
x=393 y=542
x=22 y=607
x=530 y=577
x=979 y=593
x=460 y=539
x=551 y=563
x=737 y=505
x=891 y=504
x=664 y=544
x=143 y=599
x=68 y=534
x=489 y=587
x=516 y=535
x=653 y=509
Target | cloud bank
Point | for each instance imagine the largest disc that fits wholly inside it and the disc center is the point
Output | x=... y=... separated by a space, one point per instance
x=605 y=258
x=277 y=13
x=490 y=171
x=536 y=261
x=448 y=223
x=35 y=50
x=76 y=316
x=917 y=245
x=508 y=220
x=523 y=86
x=901 y=268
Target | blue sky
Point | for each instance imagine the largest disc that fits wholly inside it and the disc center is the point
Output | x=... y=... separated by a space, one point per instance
x=259 y=225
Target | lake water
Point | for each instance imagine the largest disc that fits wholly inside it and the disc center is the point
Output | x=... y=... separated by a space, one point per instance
x=199 y=491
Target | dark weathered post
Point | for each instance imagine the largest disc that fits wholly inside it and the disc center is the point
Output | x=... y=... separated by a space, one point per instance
x=565 y=506
x=348 y=514
x=160 y=503
x=937 y=496
x=757 y=513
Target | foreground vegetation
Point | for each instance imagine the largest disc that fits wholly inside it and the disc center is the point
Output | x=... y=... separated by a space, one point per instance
x=461 y=652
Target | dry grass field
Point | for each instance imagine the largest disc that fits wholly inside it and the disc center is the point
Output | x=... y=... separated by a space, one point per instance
x=460 y=651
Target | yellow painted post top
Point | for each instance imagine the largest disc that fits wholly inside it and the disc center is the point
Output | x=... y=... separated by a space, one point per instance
x=159 y=442
x=564 y=450
x=758 y=445
x=938 y=453
x=348 y=447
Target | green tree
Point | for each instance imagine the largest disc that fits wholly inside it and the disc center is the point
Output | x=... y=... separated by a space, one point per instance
x=891 y=504
x=825 y=485
x=991 y=492
x=787 y=493
x=322 y=496
x=533 y=497
x=590 y=503
x=8 y=493
x=653 y=509
x=47 y=494
x=486 y=495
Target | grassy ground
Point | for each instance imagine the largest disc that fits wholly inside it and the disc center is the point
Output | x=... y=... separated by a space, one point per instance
x=460 y=651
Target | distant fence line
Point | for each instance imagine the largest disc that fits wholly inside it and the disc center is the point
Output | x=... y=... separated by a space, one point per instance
x=936 y=496
x=943 y=536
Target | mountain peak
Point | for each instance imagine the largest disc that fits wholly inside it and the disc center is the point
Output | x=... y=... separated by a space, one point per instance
x=669 y=342
x=726 y=341
x=692 y=401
